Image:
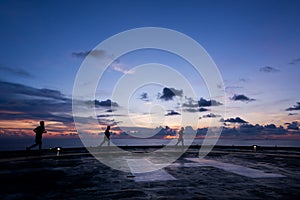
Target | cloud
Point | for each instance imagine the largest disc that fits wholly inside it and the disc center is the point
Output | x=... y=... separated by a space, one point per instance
x=250 y=130
x=193 y=110
x=16 y=71
x=211 y=115
x=206 y=103
x=242 y=131
x=35 y=115
x=109 y=115
x=93 y=53
x=268 y=69
x=169 y=93
x=295 y=107
x=291 y=114
x=293 y=126
x=106 y=103
x=203 y=109
x=14 y=88
x=144 y=96
x=234 y=120
x=241 y=97
x=190 y=103
x=115 y=65
x=294 y=61
x=33 y=104
x=104 y=116
x=172 y=112
x=106 y=122
x=23 y=103
x=199 y=106
x=245 y=130
x=105 y=119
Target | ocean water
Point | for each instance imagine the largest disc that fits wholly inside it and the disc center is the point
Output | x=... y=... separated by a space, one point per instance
x=20 y=144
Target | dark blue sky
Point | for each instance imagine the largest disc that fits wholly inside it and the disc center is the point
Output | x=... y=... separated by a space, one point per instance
x=255 y=44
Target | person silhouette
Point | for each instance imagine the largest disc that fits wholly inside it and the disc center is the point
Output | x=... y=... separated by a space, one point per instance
x=180 y=138
x=39 y=130
x=106 y=137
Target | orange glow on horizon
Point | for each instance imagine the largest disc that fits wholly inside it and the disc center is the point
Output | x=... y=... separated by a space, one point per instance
x=24 y=128
x=170 y=137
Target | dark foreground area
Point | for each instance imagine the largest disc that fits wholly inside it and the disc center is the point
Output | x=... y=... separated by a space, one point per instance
x=225 y=173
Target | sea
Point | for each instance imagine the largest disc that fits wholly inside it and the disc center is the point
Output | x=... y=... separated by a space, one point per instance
x=9 y=144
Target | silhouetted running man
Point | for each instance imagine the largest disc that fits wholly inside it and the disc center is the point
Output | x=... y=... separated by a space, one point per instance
x=106 y=137
x=38 y=136
x=180 y=138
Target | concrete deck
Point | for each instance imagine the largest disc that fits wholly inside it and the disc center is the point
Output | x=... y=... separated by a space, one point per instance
x=223 y=174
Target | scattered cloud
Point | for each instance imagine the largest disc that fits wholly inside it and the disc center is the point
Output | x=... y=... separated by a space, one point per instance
x=94 y=53
x=144 y=96
x=169 y=93
x=203 y=109
x=106 y=122
x=268 y=69
x=16 y=71
x=295 y=107
x=206 y=103
x=259 y=131
x=109 y=115
x=294 y=61
x=41 y=104
x=211 y=115
x=198 y=106
x=21 y=103
x=191 y=103
x=232 y=86
x=293 y=126
x=242 y=131
x=115 y=65
x=291 y=114
x=172 y=112
x=106 y=103
x=193 y=110
x=234 y=120
x=15 y=88
x=104 y=116
x=33 y=104
x=241 y=97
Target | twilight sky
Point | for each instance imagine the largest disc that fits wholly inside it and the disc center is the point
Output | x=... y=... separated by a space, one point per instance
x=255 y=45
